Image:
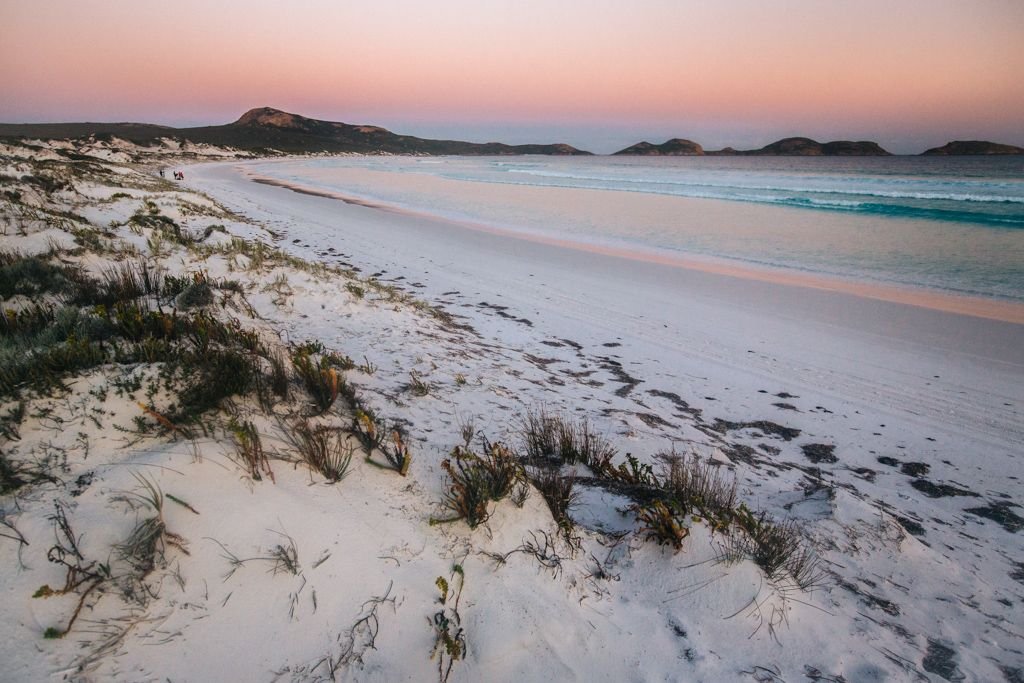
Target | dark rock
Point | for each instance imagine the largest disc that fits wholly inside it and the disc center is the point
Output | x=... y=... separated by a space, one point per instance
x=805 y=147
x=769 y=428
x=1012 y=674
x=672 y=148
x=1001 y=514
x=913 y=528
x=865 y=473
x=845 y=148
x=819 y=452
x=972 y=148
x=933 y=490
x=652 y=420
x=871 y=600
x=915 y=469
x=940 y=660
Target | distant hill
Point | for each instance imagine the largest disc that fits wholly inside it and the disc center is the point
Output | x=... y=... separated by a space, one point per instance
x=266 y=129
x=972 y=147
x=675 y=147
x=128 y=131
x=806 y=147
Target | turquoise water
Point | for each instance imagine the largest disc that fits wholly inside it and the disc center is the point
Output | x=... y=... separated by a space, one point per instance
x=953 y=224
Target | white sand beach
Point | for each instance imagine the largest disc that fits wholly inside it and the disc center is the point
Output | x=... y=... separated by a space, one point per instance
x=891 y=433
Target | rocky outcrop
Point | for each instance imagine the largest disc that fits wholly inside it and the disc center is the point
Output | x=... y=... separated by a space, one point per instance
x=676 y=147
x=809 y=147
x=972 y=147
x=806 y=147
x=846 y=148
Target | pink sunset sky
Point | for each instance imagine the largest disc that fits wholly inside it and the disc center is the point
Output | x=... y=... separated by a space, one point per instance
x=593 y=73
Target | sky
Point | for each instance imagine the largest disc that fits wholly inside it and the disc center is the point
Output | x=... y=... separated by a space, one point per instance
x=596 y=74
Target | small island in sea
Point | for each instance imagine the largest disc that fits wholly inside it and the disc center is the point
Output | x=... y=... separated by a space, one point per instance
x=972 y=148
x=802 y=147
x=676 y=147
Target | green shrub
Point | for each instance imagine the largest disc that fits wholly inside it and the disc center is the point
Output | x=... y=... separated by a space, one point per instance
x=249 y=450
x=558 y=493
x=321 y=377
x=121 y=283
x=34 y=276
x=469 y=489
x=273 y=382
x=323 y=449
x=25 y=322
x=552 y=439
x=662 y=524
x=195 y=295
x=632 y=473
x=42 y=368
x=780 y=549
x=700 y=487
x=449 y=636
x=215 y=375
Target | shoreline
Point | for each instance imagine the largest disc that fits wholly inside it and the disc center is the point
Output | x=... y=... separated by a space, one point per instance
x=967 y=305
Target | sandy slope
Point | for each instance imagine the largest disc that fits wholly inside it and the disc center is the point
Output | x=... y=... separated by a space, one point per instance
x=652 y=355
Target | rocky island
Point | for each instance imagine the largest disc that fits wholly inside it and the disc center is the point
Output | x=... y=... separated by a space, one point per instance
x=676 y=147
x=806 y=147
x=972 y=148
x=802 y=147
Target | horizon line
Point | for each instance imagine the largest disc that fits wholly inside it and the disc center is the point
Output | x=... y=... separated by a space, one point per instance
x=522 y=125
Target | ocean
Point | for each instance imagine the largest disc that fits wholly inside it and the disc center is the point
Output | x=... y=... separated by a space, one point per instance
x=949 y=224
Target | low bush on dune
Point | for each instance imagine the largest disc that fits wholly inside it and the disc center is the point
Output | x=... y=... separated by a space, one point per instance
x=687 y=490
x=37 y=275
x=779 y=548
x=249 y=450
x=552 y=438
x=88 y=322
x=557 y=491
x=661 y=524
x=449 y=634
x=322 y=448
x=321 y=373
x=117 y=320
x=377 y=437
x=701 y=487
x=476 y=480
